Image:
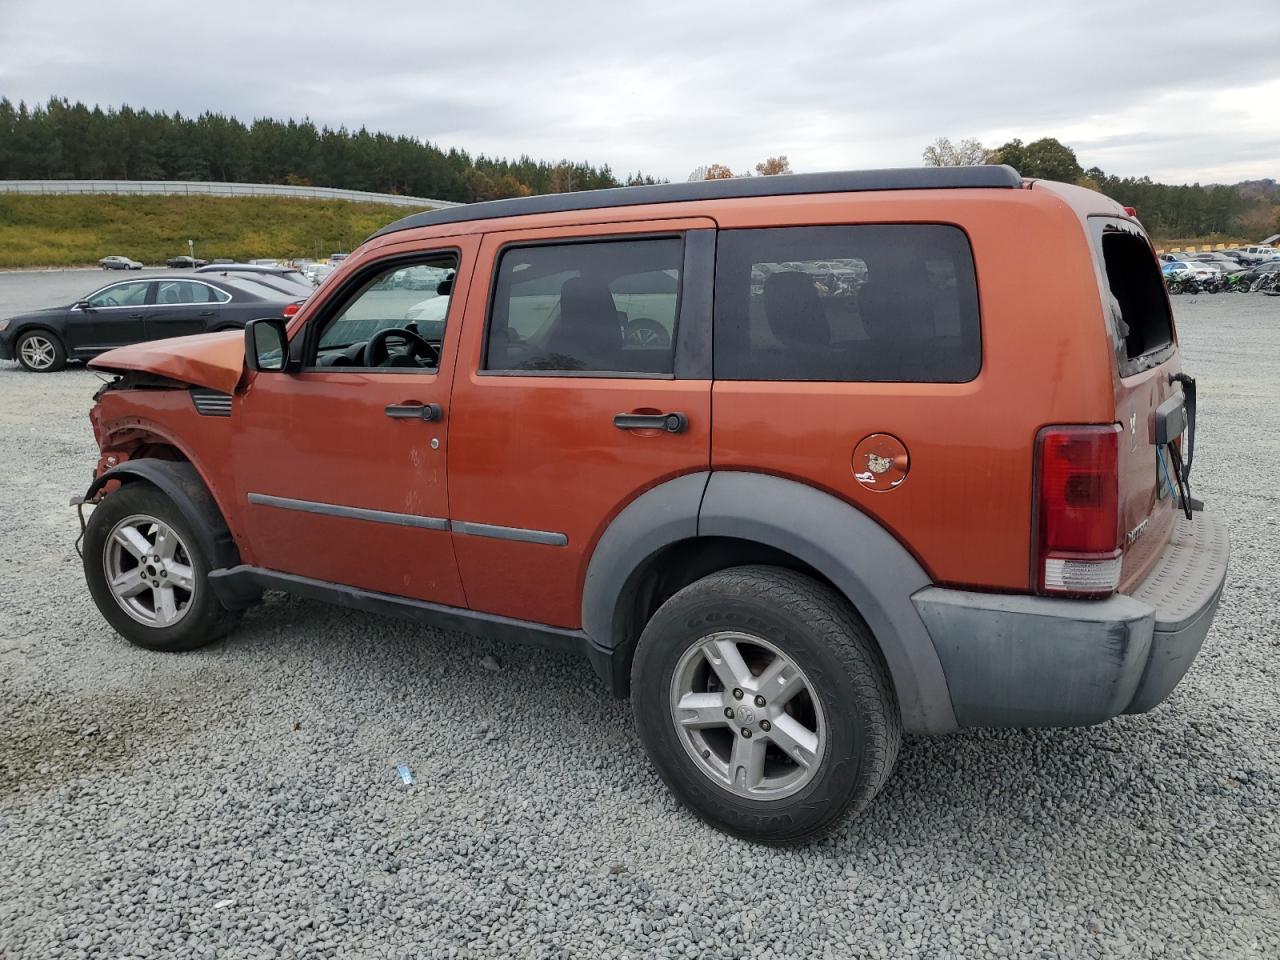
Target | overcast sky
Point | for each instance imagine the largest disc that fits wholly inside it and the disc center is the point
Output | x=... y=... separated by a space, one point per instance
x=1182 y=93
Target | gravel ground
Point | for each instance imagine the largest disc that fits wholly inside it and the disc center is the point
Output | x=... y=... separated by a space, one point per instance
x=242 y=801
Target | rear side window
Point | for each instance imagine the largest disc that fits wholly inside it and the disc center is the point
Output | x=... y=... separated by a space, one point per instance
x=1139 y=307
x=597 y=307
x=891 y=302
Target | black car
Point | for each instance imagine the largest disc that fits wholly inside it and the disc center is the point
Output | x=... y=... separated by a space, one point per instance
x=184 y=262
x=131 y=311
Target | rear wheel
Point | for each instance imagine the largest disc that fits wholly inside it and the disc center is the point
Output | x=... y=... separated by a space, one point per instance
x=40 y=351
x=764 y=704
x=147 y=573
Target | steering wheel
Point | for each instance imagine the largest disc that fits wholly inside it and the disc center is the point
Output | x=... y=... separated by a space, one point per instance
x=376 y=353
x=109 y=301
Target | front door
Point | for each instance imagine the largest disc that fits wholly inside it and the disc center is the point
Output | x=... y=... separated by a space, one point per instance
x=110 y=317
x=341 y=464
x=582 y=384
x=183 y=307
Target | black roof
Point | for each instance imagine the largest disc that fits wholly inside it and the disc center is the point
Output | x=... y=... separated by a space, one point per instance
x=851 y=181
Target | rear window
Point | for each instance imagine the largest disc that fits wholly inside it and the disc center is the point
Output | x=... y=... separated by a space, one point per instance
x=885 y=302
x=1139 y=306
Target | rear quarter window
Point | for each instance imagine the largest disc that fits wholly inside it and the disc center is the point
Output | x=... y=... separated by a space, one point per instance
x=1139 y=307
x=883 y=302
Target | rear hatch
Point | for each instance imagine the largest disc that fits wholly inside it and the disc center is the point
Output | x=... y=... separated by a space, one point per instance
x=1145 y=357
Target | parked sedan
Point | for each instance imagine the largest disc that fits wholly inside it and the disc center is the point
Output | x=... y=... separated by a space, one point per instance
x=119 y=263
x=1250 y=274
x=1224 y=263
x=184 y=262
x=251 y=269
x=130 y=311
x=1187 y=269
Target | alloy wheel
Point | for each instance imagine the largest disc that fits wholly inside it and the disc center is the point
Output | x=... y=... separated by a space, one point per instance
x=748 y=716
x=149 y=571
x=38 y=352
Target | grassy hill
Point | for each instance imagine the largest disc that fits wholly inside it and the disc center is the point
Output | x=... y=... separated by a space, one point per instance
x=37 y=231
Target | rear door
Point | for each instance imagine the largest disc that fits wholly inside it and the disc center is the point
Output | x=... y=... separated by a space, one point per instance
x=183 y=307
x=1146 y=353
x=588 y=339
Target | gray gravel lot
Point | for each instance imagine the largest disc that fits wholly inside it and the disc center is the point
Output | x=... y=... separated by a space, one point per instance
x=242 y=801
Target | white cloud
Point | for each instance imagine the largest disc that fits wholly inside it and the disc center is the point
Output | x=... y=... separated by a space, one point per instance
x=666 y=86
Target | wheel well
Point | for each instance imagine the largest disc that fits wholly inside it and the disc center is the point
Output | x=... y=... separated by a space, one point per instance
x=39 y=328
x=674 y=567
x=140 y=445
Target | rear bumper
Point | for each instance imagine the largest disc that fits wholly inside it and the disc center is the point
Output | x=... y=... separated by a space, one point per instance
x=1023 y=661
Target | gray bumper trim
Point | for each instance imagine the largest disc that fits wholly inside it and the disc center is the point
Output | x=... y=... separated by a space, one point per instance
x=1023 y=661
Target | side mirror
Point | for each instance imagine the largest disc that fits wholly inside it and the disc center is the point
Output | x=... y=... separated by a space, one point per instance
x=83 y=305
x=266 y=345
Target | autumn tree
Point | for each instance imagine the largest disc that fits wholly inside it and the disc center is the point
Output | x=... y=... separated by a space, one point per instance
x=711 y=171
x=774 y=166
x=943 y=153
x=1045 y=159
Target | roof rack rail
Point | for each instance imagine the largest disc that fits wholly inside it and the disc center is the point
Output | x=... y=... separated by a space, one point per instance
x=997 y=176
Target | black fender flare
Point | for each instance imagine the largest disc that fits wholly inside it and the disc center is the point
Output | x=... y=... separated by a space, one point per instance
x=862 y=559
x=182 y=484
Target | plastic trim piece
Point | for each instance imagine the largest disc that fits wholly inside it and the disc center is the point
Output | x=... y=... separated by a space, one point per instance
x=860 y=558
x=349 y=513
x=235 y=583
x=521 y=534
x=182 y=484
x=852 y=181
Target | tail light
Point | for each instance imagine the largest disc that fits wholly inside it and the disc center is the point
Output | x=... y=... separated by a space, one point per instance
x=291 y=309
x=1077 y=510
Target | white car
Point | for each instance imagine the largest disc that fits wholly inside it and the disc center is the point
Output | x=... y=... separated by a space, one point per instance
x=1184 y=269
x=429 y=316
x=119 y=263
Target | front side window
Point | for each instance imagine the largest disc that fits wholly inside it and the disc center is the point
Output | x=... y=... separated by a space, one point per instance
x=396 y=318
x=121 y=295
x=606 y=306
x=174 y=292
x=893 y=302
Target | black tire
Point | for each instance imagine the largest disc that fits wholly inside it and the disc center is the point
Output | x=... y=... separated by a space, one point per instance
x=58 y=358
x=204 y=620
x=819 y=632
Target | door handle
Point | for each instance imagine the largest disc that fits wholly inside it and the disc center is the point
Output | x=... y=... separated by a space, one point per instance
x=414 y=411
x=135 y=316
x=669 y=422
x=206 y=313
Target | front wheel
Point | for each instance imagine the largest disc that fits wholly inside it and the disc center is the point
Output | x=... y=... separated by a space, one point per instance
x=40 y=352
x=147 y=572
x=764 y=704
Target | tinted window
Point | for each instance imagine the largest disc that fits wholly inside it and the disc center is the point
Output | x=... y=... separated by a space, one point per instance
x=121 y=295
x=852 y=303
x=414 y=297
x=1139 y=306
x=186 y=291
x=607 y=306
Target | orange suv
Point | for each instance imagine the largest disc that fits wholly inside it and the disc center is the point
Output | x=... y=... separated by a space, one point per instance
x=800 y=463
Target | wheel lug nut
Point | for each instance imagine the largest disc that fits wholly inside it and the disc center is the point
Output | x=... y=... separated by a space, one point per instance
x=759 y=701
x=728 y=712
x=765 y=725
x=737 y=693
x=164 y=573
x=746 y=733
